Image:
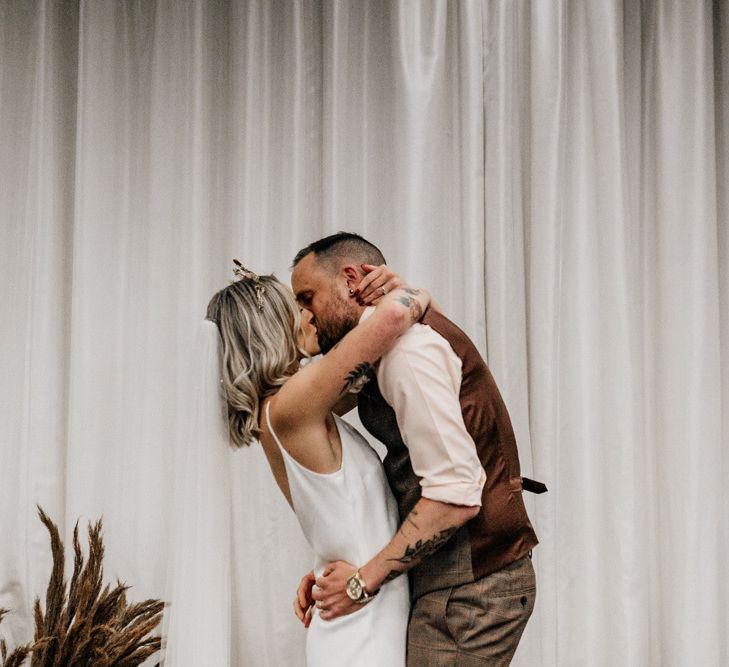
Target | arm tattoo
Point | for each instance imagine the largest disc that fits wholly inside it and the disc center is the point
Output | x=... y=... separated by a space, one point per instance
x=416 y=310
x=357 y=378
x=424 y=548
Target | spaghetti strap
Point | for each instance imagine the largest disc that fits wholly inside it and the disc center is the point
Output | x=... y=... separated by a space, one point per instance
x=289 y=458
x=270 y=428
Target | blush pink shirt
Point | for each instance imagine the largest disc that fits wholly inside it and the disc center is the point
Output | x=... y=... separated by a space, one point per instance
x=420 y=378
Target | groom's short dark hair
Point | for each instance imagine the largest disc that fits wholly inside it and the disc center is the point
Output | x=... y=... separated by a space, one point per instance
x=340 y=246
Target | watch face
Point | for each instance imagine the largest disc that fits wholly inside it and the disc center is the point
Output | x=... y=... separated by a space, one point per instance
x=354 y=589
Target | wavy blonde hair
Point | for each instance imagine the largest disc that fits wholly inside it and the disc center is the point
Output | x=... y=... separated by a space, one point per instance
x=259 y=351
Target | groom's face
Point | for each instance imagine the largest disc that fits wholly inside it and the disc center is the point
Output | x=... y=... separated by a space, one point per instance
x=324 y=292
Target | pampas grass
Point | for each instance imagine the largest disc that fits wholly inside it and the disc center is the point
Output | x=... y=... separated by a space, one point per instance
x=86 y=625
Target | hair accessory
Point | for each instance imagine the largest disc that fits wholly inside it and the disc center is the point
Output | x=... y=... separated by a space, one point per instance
x=246 y=274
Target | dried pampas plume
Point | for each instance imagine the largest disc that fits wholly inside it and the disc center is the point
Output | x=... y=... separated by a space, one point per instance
x=86 y=625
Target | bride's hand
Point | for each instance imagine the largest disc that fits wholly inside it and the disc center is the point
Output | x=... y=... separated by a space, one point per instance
x=378 y=281
x=304 y=602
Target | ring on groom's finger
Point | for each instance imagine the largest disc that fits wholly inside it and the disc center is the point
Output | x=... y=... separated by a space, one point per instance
x=383 y=290
x=319 y=605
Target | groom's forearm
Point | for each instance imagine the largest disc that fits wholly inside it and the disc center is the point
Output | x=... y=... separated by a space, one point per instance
x=428 y=527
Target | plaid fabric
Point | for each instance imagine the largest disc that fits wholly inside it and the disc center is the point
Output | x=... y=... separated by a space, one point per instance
x=477 y=623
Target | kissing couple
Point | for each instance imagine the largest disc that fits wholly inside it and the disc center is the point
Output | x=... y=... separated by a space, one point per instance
x=423 y=558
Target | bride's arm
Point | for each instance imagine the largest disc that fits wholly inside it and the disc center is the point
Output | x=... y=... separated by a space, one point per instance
x=368 y=291
x=312 y=392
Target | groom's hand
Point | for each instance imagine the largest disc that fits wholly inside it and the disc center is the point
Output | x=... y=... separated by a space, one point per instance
x=330 y=593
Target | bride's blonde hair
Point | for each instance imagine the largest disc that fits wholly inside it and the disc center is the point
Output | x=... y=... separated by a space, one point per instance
x=259 y=350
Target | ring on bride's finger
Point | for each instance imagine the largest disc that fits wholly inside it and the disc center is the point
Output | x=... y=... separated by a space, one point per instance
x=319 y=605
x=383 y=290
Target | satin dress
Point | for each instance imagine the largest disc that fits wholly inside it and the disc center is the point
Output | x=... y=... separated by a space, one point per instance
x=351 y=515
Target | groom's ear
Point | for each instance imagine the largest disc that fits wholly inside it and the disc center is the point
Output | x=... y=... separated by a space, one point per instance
x=352 y=275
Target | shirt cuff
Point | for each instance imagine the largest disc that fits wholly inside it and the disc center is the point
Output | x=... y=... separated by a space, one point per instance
x=455 y=493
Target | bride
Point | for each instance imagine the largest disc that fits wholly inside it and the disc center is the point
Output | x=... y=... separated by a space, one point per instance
x=327 y=472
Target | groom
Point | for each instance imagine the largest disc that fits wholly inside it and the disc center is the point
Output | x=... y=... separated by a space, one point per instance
x=452 y=464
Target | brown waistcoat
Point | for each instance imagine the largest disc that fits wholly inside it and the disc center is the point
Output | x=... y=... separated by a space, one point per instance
x=501 y=532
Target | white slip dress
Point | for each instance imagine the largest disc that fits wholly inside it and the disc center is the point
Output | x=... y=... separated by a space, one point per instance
x=351 y=515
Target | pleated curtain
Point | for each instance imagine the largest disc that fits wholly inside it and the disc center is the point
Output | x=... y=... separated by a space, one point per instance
x=554 y=172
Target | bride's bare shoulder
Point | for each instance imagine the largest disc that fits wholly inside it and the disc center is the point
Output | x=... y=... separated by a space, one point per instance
x=306 y=440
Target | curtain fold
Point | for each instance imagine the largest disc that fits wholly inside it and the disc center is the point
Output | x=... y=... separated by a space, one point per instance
x=556 y=173
x=38 y=50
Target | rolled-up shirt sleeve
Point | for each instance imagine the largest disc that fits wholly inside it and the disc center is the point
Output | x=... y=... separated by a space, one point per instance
x=420 y=378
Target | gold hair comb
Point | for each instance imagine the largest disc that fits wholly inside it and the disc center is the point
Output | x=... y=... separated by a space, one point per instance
x=246 y=274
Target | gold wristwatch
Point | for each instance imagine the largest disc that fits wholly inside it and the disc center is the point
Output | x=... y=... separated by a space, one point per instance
x=357 y=589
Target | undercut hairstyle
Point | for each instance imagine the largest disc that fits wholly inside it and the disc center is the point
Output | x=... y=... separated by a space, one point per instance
x=259 y=348
x=341 y=247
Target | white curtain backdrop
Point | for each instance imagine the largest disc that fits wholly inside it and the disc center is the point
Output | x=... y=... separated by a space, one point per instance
x=555 y=172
